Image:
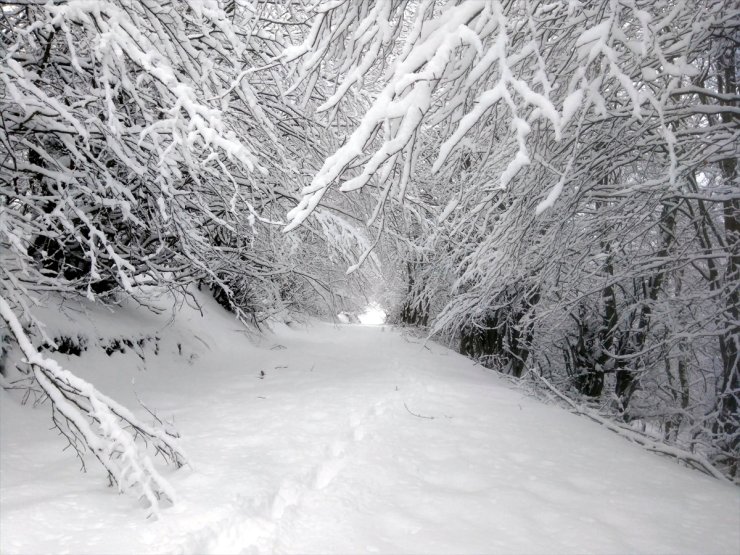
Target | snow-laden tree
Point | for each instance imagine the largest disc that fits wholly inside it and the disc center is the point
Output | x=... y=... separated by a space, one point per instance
x=149 y=142
x=553 y=185
x=574 y=166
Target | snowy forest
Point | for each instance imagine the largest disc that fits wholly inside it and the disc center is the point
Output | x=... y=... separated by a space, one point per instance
x=549 y=188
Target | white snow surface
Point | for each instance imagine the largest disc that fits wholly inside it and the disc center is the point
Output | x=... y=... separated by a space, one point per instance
x=356 y=439
x=374 y=315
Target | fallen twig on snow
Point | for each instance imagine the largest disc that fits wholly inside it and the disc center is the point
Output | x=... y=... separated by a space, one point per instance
x=415 y=414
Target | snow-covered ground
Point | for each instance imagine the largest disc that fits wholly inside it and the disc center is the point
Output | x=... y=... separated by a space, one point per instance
x=342 y=439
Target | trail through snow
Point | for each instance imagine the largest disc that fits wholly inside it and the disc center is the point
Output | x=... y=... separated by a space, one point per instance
x=351 y=439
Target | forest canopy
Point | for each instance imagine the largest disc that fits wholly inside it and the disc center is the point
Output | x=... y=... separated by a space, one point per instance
x=551 y=187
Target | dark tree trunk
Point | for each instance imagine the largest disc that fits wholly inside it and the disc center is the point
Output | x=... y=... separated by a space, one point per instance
x=728 y=420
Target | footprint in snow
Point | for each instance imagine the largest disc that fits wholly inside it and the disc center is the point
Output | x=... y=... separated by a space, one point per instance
x=287 y=496
x=337 y=449
x=327 y=472
x=358 y=434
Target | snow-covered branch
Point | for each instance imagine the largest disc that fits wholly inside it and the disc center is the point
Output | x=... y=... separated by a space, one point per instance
x=93 y=422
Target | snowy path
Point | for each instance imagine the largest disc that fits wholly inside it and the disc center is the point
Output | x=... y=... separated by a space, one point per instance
x=322 y=454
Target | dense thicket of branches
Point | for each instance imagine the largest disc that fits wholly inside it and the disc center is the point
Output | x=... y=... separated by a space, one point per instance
x=551 y=185
x=561 y=183
x=150 y=143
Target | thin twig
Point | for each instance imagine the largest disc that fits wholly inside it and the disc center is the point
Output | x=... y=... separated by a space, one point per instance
x=417 y=415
